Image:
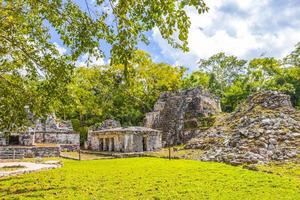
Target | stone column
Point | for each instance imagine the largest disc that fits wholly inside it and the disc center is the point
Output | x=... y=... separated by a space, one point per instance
x=110 y=144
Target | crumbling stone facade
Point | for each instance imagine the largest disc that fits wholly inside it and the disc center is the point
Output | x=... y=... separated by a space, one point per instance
x=264 y=128
x=118 y=139
x=53 y=134
x=174 y=113
x=107 y=124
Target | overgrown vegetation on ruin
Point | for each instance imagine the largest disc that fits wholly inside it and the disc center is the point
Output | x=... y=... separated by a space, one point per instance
x=152 y=178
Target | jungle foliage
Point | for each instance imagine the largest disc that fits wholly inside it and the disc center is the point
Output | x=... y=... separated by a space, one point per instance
x=35 y=79
x=33 y=74
x=233 y=80
x=99 y=92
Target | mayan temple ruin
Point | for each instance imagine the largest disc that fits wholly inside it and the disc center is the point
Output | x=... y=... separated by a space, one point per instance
x=42 y=139
x=178 y=114
x=111 y=137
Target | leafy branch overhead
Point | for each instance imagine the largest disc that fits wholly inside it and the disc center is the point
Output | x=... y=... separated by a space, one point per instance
x=32 y=71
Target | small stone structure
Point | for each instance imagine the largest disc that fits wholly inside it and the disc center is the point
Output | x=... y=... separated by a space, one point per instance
x=264 y=128
x=174 y=113
x=119 y=139
x=43 y=139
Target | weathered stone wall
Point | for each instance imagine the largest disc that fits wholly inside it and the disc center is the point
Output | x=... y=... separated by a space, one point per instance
x=69 y=141
x=26 y=139
x=133 y=143
x=57 y=137
x=154 y=142
x=125 y=139
x=51 y=124
x=107 y=124
x=8 y=152
x=176 y=112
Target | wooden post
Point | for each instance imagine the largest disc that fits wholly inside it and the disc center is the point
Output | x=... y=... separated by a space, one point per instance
x=169 y=152
x=169 y=145
x=79 y=154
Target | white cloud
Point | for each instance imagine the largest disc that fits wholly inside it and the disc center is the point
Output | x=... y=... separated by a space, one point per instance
x=87 y=60
x=84 y=60
x=60 y=49
x=245 y=28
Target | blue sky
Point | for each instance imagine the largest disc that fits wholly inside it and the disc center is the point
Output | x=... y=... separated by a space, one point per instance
x=245 y=28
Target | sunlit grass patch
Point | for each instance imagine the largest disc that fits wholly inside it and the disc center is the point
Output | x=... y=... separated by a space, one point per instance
x=149 y=178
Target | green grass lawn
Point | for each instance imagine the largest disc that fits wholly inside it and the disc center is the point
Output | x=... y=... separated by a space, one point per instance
x=149 y=178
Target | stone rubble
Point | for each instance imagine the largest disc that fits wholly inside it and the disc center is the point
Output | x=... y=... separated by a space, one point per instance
x=263 y=129
x=51 y=124
x=107 y=124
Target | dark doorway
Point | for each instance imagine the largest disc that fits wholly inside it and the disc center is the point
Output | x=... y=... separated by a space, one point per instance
x=144 y=143
x=112 y=144
x=106 y=144
x=13 y=140
x=101 y=144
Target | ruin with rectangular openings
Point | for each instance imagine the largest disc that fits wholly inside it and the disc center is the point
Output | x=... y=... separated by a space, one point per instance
x=112 y=137
x=42 y=139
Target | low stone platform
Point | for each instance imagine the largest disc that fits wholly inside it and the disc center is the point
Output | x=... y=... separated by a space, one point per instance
x=115 y=154
x=28 y=167
x=20 y=152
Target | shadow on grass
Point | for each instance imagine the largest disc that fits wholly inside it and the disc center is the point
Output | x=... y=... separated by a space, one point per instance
x=34 y=192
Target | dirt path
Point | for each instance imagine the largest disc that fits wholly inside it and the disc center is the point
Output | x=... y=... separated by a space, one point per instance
x=28 y=167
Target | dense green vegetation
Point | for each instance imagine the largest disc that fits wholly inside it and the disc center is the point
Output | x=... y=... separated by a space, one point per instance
x=35 y=79
x=32 y=71
x=149 y=178
x=233 y=80
x=98 y=93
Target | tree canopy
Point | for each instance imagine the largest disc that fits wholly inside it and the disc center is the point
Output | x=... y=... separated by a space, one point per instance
x=233 y=79
x=33 y=73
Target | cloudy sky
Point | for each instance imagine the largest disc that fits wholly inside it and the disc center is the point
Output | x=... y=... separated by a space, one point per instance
x=245 y=28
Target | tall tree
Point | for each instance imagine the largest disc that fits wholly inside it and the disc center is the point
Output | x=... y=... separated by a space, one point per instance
x=26 y=50
x=223 y=69
x=99 y=92
x=196 y=79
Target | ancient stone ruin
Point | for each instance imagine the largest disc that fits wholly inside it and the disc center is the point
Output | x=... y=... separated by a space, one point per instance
x=178 y=114
x=107 y=124
x=265 y=128
x=114 y=138
x=42 y=139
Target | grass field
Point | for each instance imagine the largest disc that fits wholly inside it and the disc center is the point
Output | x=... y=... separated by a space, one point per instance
x=149 y=178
